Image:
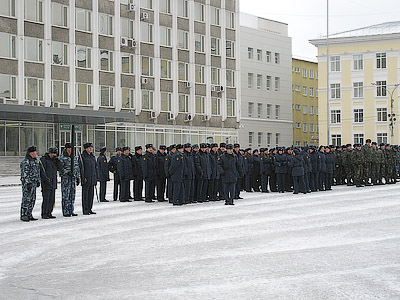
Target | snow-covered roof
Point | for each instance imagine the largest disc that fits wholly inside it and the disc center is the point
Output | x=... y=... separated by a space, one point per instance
x=378 y=29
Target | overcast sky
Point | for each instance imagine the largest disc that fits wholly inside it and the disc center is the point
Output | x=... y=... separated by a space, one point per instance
x=307 y=18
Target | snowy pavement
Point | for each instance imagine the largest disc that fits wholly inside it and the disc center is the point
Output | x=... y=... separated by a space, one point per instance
x=342 y=244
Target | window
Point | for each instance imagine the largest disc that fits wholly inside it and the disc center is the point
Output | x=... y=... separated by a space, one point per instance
x=312 y=127
x=259 y=81
x=277 y=138
x=359 y=138
x=230 y=49
x=8 y=87
x=215 y=46
x=259 y=138
x=381 y=90
x=311 y=110
x=106 y=96
x=83 y=19
x=166 y=101
x=128 y=98
x=305 y=73
x=382 y=114
x=84 y=94
x=60 y=53
x=305 y=127
x=296 y=69
x=268 y=82
x=127 y=63
x=269 y=111
x=335 y=90
x=199 y=12
x=358 y=115
x=106 y=60
x=183 y=8
x=165 y=6
x=215 y=76
x=311 y=92
x=214 y=15
x=268 y=56
x=183 y=39
x=251 y=137
x=183 y=103
x=305 y=109
x=33 y=49
x=381 y=138
x=298 y=125
x=358 y=63
x=259 y=54
x=147 y=66
x=7 y=8
x=250 y=80
x=316 y=110
x=381 y=60
x=7 y=42
x=147 y=4
x=277 y=83
x=358 y=89
x=127 y=28
x=259 y=109
x=59 y=14
x=250 y=109
x=230 y=19
x=199 y=73
x=199 y=42
x=147 y=99
x=200 y=105
x=105 y=24
x=33 y=10
x=250 y=53
x=304 y=91
x=311 y=72
x=335 y=117
x=183 y=71
x=231 y=107
x=336 y=139
x=215 y=106
x=230 y=78
x=316 y=75
x=298 y=107
x=147 y=32
x=165 y=36
x=277 y=58
x=166 y=66
x=269 y=139
x=335 y=63
x=277 y=111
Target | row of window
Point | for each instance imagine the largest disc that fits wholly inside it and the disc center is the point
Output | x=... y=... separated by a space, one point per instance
x=312 y=91
x=260 y=138
x=313 y=110
x=358 y=115
x=259 y=82
x=313 y=127
x=358 y=62
x=358 y=138
x=306 y=73
x=358 y=89
x=260 y=109
x=268 y=55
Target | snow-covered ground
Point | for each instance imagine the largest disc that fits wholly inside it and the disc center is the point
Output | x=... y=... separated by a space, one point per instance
x=343 y=244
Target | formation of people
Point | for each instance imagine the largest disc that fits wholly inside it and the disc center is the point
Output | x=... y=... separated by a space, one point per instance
x=185 y=174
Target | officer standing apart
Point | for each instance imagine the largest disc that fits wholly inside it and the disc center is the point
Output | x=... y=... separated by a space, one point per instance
x=89 y=178
x=50 y=166
x=103 y=173
x=230 y=170
x=113 y=169
x=30 y=178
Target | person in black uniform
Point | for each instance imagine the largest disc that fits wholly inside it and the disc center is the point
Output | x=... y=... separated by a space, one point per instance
x=137 y=174
x=265 y=169
x=256 y=171
x=177 y=170
x=273 y=183
x=203 y=167
x=189 y=175
x=50 y=165
x=103 y=173
x=248 y=170
x=149 y=173
x=221 y=150
x=281 y=168
x=112 y=165
x=195 y=151
x=160 y=173
x=125 y=172
x=89 y=173
x=239 y=155
x=297 y=165
x=171 y=153
x=315 y=166
x=212 y=183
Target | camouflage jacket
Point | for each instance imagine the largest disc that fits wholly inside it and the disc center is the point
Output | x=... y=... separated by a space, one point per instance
x=377 y=156
x=347 y=157
x=367 y=150
x=357 y=157
x=30 y=170
x=339 y=157
x=65 y=166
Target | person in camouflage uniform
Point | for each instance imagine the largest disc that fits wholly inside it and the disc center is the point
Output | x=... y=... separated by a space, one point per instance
x=68 y=189
x=339 y=168
x=377 y=162
x=357 y=158
x=367 y=151
x=30 y=179
x=393 y=162
x=387 y=171
x=347 y=163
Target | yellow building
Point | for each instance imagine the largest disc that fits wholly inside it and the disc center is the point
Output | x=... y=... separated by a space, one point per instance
x=363 y=77
x=305 y=102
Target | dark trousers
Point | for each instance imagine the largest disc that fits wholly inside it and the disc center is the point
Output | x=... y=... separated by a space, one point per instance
x=328 y=180
x=229 y=189
x=178 y=192
x=264 y=182
x=281 y=181
x=188 y=191
x=125 y=187
x=289 y=181
x=138 y=189
x=103 y=189
x=202 y=189
x=49 y=197
x=117 y=188
x=220 y=188
x=170 y=190
x=149 y=190
x=322 y=180
x=212 y=189
x=256 y=182
x=161 y=182
x=87 y=198
x=314 y=183
x=298 y=184
x=237 y=189
x=248 y=182
x=307 y=181
x=272 y=182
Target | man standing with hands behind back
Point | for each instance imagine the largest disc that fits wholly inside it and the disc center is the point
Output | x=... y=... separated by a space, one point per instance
x=89 y=178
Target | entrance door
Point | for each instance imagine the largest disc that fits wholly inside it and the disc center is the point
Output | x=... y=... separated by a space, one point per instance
x=65 y=137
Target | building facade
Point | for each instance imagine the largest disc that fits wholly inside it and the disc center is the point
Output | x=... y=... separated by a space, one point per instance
x=128 y=72
x=364 y=70
x=305 y=102
x=266 y=78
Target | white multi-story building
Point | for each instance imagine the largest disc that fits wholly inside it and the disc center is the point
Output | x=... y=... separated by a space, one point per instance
x=266 y=83
x=125 y=72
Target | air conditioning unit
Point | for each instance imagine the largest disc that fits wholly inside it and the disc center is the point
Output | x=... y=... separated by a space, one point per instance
x=213 y=88
x=144 y=16
x=153 y=115
x=206 y=118
x=55 y=104
x=124 y=42
x=144 y=80
x=131 y=7
x=2 y=100
x=170 y=116
x=35 y=103
x=131 y=43
x=188 y=118
x=188 y=84
x=219 y=88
